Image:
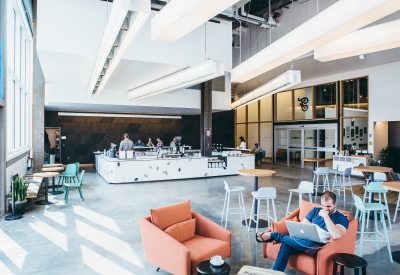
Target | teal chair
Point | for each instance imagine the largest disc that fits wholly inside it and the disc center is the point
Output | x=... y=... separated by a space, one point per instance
x=69 y=173
x=364 y=209
x=77 y=169
x=74 y=184
x=259 y=156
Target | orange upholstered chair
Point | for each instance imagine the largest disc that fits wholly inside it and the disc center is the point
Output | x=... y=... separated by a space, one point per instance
x=322 y=262
x=176 y=239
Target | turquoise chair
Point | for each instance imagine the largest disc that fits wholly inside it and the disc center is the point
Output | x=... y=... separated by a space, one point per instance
x=364 y=209
x=69 y=173
x=74 y=184
x=77 y=169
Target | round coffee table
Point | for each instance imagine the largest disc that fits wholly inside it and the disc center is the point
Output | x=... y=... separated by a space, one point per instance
x=350 y=261
x=205 y=268
x=54 y=169
x=256 y=173
x=46 y=176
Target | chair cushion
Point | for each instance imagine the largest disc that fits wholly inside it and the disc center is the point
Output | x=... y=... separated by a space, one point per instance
x=182 y=231
x=281 y=226
x=203 y=248
x=166 y=216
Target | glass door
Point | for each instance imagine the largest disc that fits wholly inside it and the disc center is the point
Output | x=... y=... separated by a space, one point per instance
x=296 y=137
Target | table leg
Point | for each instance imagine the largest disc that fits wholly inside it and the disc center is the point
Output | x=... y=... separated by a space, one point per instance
x=261 y=223
x=46 y=196
x=54 y=192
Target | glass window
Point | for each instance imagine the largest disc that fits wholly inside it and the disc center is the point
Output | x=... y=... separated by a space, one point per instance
x=303 y=103
x=355 y=97
x=266 y=138
x=284 y=106
x=327 y=138
x=241 y=114
x=281 y=155
x=310 y=138
x=295 y=138
x=252 y=110
x=252 y=136
x=355 y=132
x=281 y=137
x=266 y=109
x=240 y=132
x=325 y=100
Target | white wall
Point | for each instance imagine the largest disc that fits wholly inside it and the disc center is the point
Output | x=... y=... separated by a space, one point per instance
x=17 y=168
x=380 y=137
x=384 y=92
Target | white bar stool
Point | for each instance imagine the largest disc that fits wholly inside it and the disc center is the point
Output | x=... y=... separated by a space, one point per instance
x=265 y=193
x=228 y=190
x=324 y=172
x=364 y=209
x=305 y=187
x=397 y=209
x=342 y=184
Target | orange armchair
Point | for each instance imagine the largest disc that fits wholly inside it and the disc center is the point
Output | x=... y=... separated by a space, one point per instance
x=182 y=258
x=322 y=262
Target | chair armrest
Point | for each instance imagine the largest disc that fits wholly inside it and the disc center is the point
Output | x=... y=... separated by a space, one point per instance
x=162 y=250
x=209 y=229
x=345 y=244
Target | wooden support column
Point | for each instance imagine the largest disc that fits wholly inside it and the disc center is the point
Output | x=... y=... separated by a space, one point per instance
x=206 y=118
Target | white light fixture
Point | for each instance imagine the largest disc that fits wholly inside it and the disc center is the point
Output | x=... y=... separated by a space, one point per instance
x=123 y=12
x=341 y=18
x=372 y=39
x=361 y=56
x=179 y=17
x=204 y=71
x=117 y=115
x=279 y=83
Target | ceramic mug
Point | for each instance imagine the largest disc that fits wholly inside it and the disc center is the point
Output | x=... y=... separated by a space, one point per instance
x=216 y=259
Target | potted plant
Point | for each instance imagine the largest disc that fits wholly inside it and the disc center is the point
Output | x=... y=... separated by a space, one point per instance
x=20 y=187
x=391 y=156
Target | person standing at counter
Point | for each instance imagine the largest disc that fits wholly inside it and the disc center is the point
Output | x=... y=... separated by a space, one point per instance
x=126 y=144
x=150 y=143
x=140 y=143
x=172 y=143
x=159 y=143
x=242 y=143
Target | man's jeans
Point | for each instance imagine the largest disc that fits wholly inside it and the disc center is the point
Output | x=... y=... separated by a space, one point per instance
x=290 y=246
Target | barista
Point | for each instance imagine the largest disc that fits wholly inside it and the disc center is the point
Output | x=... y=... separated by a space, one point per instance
x=126 y=144
x=173 y=143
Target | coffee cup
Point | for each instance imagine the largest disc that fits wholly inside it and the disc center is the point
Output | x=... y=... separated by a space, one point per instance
x=216 y=259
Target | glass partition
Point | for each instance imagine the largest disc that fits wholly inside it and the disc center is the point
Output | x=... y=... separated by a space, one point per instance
x=355 y=97
x=355 y=133
x=310 y=138
x=240 y=131
x=252 y=135
x=266 y=108
x=252 y=112
x=266 y=138
x=241 y=114
x=284 y=106
x=295 y=137
x=281 y=137
x=325 y=100
x=303 y=104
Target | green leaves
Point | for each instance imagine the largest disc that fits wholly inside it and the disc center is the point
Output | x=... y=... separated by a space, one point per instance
x=391 y=155
x=20 y=188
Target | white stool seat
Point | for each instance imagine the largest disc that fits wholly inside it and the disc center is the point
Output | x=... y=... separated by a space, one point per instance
x=265 y=193
x=242 y=212
x=305 y=187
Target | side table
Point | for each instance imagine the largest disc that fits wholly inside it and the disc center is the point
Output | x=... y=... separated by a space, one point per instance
x=205 y=268
x=349 y=260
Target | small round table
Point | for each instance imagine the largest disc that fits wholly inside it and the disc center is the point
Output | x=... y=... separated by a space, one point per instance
x=46 y=176
x=54 y=169
x=349 y=260
x=52 y=165
x=205 y=268
x=256 y=173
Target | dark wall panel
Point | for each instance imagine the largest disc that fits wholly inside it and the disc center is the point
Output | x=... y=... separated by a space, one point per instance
x=85 y=135
x=394 y=133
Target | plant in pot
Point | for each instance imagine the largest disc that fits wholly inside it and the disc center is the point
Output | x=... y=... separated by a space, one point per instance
x=391 y=156
x=20 y=187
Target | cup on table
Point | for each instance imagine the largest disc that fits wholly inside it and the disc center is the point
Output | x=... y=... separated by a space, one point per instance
x=216 y=260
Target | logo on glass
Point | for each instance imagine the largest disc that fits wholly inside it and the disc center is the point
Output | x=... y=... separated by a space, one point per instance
x=303 y=103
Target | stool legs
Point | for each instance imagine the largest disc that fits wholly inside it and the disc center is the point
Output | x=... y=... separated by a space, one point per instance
x=290 y=199
x=225 y=211
x=395 y=211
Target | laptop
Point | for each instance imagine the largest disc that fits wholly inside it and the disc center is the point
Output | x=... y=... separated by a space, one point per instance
x=303 y=231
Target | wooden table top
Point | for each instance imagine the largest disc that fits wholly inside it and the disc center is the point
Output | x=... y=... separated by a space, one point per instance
x=315 y=159
x=392 y=185
x=256 y=172
x=46 y=174
x=52 y=165
x=53 y=169
x=372 y=169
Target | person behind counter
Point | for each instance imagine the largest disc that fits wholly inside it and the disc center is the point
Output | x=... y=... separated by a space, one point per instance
x=242 y=143
x=150 y=143
x=256 y=149
x=140 y=143
x=172 y=143
x=126 y=143
x=159 y=143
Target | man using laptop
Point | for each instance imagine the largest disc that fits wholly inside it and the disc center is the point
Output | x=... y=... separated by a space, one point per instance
x=330 y=222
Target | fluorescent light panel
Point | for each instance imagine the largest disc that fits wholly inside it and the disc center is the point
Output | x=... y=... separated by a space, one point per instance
x=117 y=115
x=341 y=18
x=137 y=12
x=204 y=71
x=372 y=39
x=280 y=83
x=179 y=17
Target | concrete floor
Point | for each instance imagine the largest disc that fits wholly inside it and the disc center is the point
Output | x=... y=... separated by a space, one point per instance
x=101 y=235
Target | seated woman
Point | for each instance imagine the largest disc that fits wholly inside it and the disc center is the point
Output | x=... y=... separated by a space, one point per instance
x=150 y=143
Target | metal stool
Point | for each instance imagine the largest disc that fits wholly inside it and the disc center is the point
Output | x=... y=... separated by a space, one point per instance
x=324 y=172
x=265 y=193
x=228 y=190
x=350 y=261
x=305 y=187
x=364 y=208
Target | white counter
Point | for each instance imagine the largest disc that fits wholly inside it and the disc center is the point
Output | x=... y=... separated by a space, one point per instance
x=114 y=170
x=351 y=161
